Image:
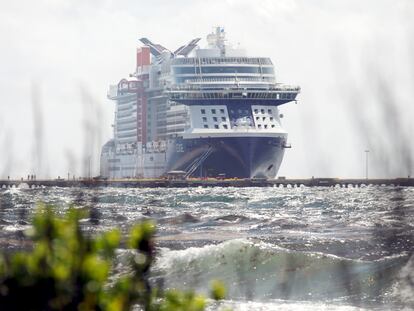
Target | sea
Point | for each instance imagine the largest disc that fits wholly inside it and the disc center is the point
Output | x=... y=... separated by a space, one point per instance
x=275 y=248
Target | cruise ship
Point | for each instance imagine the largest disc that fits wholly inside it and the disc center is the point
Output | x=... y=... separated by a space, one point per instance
x=202 y=112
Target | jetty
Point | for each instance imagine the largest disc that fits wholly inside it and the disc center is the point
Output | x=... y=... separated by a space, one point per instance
x=209 y=182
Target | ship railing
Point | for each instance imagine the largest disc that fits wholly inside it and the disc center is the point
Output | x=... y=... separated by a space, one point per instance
x=198 y=88
x=222 y=60
x=233 y=80
x=251 y=95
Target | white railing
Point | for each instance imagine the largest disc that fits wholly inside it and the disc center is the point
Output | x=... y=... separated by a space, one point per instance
x=222 y=60
x=236 y=88
x=233 y=80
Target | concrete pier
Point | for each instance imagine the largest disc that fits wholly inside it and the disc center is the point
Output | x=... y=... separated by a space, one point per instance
x=165 y=183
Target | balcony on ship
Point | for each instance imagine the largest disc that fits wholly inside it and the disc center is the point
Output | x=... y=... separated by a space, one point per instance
x=271 y=95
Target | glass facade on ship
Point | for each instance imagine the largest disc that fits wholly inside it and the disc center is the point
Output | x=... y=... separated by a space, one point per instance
x=206 y=112
x=230 y=68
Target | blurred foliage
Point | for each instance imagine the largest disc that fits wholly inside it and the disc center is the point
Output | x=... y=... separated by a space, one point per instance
x=67 y=270
x=218 y=291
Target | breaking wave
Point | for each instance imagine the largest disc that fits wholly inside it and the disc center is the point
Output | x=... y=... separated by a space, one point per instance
x=254 y=270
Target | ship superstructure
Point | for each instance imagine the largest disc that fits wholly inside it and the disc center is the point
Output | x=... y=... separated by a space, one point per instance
x=206 y=112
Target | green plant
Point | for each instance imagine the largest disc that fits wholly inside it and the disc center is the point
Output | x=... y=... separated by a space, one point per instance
x=67 y=270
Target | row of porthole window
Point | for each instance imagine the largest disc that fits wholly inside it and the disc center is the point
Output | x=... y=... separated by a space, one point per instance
x=222 y=111
x=245 y=111
x=262 y=111
x=216 y=126
x=225 y=126
x=264 y=118
x=215 y=119
x=259 y=126
x=213 y=111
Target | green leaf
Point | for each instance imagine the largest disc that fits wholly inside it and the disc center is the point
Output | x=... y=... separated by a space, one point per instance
x=218 y=290
x=141 y=233
x=95 y=268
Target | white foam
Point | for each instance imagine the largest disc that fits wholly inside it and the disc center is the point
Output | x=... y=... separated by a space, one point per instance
x=404 y=288
x=260 y=271
x=14 y=228
x=280 y=305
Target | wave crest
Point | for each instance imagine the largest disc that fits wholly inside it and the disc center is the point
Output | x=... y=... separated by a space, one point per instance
x=257 y=270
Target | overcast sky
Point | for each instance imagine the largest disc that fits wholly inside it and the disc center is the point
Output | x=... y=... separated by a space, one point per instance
x=352 y=58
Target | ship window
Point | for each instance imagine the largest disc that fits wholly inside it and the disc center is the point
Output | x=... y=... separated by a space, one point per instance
x=265 y=126
x=256 y=111
x=257 y=118
x=230 y=69
x=262 y=111
x=269 y=111
x=183 y=70
x=215 y=119
x=213 y=111
x=216 y=126
x=268 y=70
x=222 y=110
x=259 y=126
x=271 y=118
x=205 y=126
x=203 y=111
x=204 y=119
x=225 y=126
x=264 y=118
x=273 y=125
x=223 y=119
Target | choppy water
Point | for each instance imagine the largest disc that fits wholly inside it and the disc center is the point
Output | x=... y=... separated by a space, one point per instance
x=275 y=248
